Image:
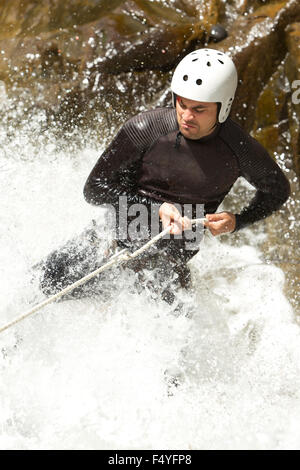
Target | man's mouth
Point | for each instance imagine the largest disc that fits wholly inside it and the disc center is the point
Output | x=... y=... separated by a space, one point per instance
x=186 y=125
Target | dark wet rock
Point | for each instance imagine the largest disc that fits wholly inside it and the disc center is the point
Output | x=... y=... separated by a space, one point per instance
x=244 y=7
x=43 y=50
x=289 y=163
x=292 y=71
x=256 y=45
x=65 y=64
x=169 y=36
x=115 y=36
x=217 y=33
x=155 y=49
x=271 y=112
x=82 y=31
x=25 y=18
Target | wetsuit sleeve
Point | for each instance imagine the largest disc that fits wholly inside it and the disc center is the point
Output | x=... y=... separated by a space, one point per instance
x=115 y=174
x=262 y=172
x=117 y=171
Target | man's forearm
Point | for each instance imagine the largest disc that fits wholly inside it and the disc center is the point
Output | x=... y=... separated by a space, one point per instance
x=261 y=206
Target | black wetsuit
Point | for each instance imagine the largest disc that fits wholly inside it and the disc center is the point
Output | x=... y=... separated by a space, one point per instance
x=151 y=162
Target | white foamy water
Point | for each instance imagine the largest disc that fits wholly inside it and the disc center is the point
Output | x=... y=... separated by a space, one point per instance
x=83 y=374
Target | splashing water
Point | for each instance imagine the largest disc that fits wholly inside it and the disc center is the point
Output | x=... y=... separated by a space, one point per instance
x=86 y=374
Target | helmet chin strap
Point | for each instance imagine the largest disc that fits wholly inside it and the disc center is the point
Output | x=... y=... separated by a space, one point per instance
x=219 y=105
x=174 y=99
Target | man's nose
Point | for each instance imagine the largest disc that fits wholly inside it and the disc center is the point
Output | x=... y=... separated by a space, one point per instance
x=187 y=115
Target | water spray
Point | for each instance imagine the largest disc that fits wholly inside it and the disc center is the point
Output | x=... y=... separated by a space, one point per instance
x=120 y=257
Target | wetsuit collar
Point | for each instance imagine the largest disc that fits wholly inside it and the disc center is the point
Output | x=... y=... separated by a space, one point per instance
x=211 y=135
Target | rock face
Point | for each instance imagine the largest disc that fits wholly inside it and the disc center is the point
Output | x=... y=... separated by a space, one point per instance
x=292 y=72
x=31 y=18
x=57 y=50
x=117 y=36
x=256 y=43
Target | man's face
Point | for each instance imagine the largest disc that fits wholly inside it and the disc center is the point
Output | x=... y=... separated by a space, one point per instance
x=195 y=118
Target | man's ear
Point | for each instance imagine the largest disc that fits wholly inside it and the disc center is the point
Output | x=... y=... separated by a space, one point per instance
x=218 y=110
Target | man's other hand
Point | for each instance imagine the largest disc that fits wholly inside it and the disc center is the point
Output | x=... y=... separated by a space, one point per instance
x=222 y=222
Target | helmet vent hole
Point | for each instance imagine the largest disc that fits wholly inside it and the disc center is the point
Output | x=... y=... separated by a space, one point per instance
x=185 y=78
x=221 y=62
x=199 y=81
x=194 y=60
x=208 y=64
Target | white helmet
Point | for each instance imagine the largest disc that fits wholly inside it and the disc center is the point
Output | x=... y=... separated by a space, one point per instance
x=206 y=75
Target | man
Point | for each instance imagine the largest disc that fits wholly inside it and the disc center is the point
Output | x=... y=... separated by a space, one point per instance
x=191 y=154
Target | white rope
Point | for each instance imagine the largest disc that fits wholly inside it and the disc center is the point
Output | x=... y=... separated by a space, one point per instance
x=120 y=257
